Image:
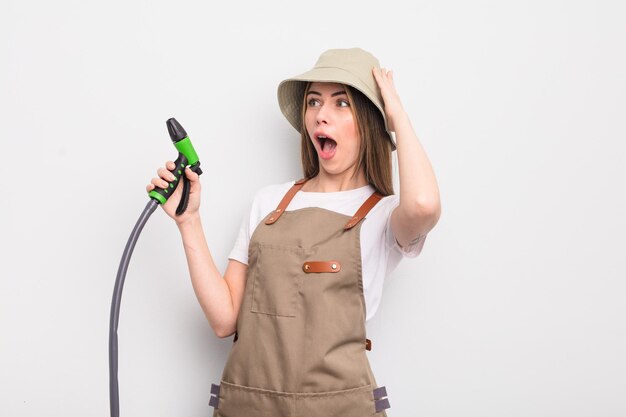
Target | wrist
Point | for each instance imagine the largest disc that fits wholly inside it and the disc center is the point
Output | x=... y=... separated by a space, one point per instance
x=397 y=118
x=188 y=221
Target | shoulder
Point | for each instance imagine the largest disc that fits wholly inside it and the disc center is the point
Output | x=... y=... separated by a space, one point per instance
x=272 y=193
x=385 y=206
x=377 y=220
x=266 y=199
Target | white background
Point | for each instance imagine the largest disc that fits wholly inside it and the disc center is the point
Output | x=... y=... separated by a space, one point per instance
x=516 y=306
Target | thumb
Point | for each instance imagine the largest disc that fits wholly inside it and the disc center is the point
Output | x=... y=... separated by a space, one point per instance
x=191 y=176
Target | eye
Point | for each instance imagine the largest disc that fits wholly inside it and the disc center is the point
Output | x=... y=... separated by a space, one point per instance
x=343 y=103
x=313 y=102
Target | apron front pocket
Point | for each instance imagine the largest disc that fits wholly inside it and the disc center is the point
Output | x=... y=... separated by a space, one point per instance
x=278 y=278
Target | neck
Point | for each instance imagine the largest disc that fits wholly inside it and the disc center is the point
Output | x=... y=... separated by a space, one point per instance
x=324 y=182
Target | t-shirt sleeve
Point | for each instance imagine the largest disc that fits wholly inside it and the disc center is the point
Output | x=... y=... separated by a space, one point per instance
x=240 y=250
x=248 y=223
x=410 y=251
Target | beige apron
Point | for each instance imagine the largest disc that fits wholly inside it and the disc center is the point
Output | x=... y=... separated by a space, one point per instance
x=300 y=345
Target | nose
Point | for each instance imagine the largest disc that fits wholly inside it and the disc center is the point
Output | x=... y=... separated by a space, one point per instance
x=322 y=115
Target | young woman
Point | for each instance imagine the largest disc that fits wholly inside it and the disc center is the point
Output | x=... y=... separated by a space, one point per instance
x=309 y=264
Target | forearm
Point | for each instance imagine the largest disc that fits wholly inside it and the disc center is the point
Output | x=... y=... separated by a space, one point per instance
x=420 y=206
x=211 y=289
x=418 y=184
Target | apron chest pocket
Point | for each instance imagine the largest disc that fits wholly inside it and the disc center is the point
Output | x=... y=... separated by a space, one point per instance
x=278 y=277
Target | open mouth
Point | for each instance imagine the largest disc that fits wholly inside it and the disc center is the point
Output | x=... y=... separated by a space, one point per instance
x=327 y=145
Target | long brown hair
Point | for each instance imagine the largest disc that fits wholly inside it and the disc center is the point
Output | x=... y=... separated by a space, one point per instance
x=375 y=150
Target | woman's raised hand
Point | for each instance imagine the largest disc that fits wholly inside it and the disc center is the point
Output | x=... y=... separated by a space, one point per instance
x=163 y=180
x=393 y=106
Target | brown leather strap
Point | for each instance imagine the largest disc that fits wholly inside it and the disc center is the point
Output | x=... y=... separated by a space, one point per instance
x=321 y=266
x=368 y=344
x=363 y=210
x=274 y=215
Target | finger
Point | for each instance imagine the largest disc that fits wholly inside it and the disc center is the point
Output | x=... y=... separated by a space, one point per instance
x=192 y=176
x=382 y=77
x=376 y=73
x=165 y=174
x=149 y=187
x=378 y=76
x=159 y=182
x=170 y=165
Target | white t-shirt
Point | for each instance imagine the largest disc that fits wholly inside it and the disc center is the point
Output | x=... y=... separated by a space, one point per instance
x=380 y=252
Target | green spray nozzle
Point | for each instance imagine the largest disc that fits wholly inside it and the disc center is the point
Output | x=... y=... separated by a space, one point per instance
x=181 y=141
x=177 y=132
x=187 y=156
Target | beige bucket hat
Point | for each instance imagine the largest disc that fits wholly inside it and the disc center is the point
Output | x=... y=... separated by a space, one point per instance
x=346 y=66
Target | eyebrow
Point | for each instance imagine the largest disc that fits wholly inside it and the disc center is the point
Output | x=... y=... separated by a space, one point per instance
x=337 y=93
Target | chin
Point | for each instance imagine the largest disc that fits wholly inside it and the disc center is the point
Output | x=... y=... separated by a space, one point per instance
x=333 y=169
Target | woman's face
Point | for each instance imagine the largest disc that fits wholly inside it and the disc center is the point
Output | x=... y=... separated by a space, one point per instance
x=332 y=128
